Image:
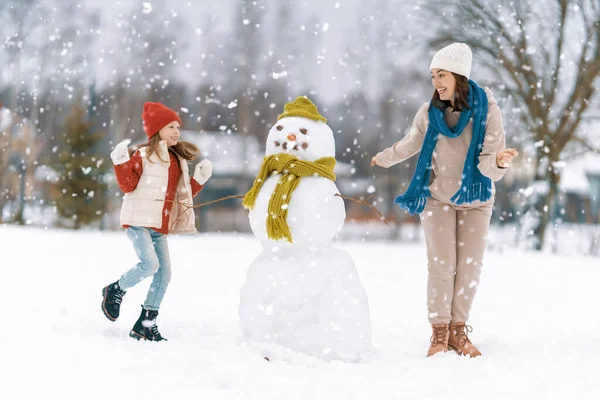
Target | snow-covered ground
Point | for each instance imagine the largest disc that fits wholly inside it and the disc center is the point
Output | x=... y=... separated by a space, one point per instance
x=535 y=320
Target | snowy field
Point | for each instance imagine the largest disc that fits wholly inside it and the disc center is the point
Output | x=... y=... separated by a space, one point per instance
x=535 y=320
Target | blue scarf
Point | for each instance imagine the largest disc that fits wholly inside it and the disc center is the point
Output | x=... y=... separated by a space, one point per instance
x=474 y=185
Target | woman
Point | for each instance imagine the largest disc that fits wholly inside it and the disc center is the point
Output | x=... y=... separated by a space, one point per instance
x=460 y=137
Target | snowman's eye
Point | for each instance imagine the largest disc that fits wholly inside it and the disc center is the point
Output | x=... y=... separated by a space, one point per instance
x=279 y=127
x=303 y=131
x=277 y=143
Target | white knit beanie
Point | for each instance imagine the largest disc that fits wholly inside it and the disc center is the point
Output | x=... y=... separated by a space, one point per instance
x=454 y=58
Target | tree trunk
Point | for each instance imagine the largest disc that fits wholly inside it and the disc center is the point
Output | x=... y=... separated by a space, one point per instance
x=5 y=152
x=544 y=206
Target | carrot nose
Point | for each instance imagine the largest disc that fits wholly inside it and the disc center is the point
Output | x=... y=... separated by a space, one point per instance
x=291 y=136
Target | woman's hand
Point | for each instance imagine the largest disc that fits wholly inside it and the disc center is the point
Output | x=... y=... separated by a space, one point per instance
x=505 y=157
x=373 y=161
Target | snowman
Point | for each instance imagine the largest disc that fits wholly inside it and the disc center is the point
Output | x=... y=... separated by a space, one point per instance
x=300 y=292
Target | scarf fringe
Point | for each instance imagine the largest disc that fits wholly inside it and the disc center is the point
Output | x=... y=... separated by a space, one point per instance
x=481 y=191
x=278 y=229
x=413 y=204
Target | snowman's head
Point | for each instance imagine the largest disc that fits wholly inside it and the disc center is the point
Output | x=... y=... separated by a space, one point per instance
x=301 y=137
x=302 y=132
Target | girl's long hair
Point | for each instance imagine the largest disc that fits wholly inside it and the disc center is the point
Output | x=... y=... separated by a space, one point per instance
x=460 y=95
x=186 y=150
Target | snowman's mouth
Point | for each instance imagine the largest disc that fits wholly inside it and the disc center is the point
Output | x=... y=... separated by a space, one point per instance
x=286 y=145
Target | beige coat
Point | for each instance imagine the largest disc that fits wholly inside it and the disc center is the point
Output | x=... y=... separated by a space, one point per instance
x=141 y=208
x=450 y=153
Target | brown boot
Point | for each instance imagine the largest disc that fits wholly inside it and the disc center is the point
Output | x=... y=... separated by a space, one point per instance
x=459 y=341
x=439 y=339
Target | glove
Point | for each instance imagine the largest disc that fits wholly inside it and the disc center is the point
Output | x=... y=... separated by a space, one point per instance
x=203 y=171
x=120 y=155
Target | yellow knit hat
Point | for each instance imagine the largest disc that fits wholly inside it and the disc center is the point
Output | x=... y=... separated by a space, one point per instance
x=302 y=107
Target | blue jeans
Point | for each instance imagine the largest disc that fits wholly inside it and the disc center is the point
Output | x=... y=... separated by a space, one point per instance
x=153 y=250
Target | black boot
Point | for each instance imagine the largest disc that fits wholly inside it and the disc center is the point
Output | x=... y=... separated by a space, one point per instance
x=146 y=328
x=112 y=295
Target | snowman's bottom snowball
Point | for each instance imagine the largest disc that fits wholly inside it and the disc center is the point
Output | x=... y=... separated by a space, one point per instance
x=311 y=302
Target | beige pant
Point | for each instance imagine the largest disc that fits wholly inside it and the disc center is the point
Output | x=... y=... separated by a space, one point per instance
x=455 y=238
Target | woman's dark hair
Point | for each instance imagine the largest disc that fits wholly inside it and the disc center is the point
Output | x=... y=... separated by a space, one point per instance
x=460 y=95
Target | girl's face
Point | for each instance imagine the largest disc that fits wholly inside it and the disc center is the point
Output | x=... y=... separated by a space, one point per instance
x=170 y=133
x=445 y=84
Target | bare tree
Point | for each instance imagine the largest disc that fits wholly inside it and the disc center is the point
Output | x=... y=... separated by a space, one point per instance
x=21 y=49
x=546 y=57
x=17 y=22
x=249 y=17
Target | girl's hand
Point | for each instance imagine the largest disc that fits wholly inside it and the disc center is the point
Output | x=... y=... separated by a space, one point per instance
x=203 y=171
x=373 y=161
x=505 y=157
x=120 y=155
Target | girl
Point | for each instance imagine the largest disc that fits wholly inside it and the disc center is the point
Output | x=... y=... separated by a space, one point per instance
x=460 y=137
x=154 y=170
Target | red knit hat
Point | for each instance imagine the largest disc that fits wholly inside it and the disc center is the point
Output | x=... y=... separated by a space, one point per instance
x=156 y=116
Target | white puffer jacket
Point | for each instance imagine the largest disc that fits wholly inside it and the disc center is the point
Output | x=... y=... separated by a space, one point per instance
x=143 y=207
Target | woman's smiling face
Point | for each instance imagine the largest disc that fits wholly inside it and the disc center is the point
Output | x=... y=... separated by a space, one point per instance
x=445 y=84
